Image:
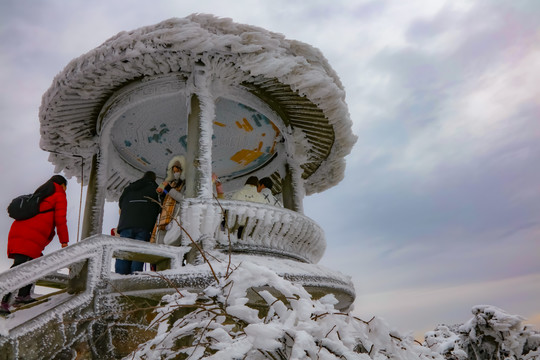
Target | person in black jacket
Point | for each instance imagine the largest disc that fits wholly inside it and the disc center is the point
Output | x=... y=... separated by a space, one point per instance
x=139 y=207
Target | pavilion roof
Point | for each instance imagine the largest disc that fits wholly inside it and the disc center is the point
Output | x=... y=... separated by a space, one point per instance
x=292 y=77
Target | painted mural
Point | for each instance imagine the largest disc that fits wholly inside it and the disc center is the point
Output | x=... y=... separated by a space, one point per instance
x=243 y=140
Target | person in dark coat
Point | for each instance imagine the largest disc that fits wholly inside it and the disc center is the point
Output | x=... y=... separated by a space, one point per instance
x=139 y=207
x=28 y=238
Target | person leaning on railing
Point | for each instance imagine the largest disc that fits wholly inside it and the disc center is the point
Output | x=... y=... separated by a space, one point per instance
x=248 y=193
x=28 y=238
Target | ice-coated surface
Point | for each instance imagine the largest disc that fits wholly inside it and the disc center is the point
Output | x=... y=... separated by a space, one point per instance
x=175 y=45
x=491 y=334
x=99 y=252
x=296 y=324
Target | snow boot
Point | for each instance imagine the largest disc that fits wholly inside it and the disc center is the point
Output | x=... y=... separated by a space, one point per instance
x=21 y=300
x=4 y=308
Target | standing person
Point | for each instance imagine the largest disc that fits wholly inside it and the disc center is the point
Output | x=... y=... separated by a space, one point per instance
x=265 y=188
x=139 y=207
x=28 y=238
x=217 y=187
x=249 y=191
x=172 y=191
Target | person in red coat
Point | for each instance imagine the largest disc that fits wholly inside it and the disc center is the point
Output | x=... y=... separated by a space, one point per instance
x=28 y=238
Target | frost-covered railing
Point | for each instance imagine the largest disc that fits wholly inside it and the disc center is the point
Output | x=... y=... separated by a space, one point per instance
x=264 y=229
x=76 y=275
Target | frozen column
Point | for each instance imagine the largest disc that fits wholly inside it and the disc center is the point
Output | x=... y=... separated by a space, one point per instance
x=199 y=137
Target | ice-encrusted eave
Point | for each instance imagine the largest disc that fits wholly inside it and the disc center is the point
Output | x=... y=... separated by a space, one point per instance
x=70 y=108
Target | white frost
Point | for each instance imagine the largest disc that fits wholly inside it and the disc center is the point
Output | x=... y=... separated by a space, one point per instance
x=234 y=53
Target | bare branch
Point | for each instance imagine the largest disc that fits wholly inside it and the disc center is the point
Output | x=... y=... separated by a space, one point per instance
x=226 y=224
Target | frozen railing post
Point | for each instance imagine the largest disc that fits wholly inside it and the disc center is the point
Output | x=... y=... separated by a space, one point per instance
x=78 y=277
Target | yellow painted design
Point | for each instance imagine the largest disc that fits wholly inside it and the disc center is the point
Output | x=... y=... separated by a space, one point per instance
x=219 y=124
x=246 y=156
x=275 y=129
x=247 y=125
x=244 y=125
x=141 y=161
x=273 y=147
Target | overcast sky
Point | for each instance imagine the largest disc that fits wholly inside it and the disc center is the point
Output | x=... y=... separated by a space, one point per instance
x=440 y=207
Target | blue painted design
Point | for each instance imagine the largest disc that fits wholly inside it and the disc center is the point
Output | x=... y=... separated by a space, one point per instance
x=158 y=137
x=261 y=159
x=246 y=107
x=265 y=119
x=257 y=115
x=143 y=159
x=236 y=173
x=255 y=119
x=127 y=143
x=183 y=141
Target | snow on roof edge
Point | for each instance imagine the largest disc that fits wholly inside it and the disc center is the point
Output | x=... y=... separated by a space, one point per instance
x=258 y=52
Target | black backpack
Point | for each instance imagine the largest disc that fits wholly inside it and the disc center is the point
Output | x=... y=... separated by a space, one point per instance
x=24 y=207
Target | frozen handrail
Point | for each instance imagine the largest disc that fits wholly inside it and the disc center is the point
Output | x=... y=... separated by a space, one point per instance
x=92 y=249
x=267 y=229
x=91 y=294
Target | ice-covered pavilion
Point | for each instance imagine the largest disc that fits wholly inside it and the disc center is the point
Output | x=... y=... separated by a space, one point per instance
x=235 y=100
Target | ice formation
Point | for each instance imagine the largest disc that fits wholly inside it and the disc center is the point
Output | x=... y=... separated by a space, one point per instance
x=233 y=53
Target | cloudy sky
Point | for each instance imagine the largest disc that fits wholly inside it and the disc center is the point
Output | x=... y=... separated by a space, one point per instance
x=440 y=207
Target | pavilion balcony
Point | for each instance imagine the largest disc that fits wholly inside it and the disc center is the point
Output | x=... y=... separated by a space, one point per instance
x=267 y=230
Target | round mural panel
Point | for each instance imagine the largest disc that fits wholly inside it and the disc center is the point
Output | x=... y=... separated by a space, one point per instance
x=244 y=139
x=150 y=133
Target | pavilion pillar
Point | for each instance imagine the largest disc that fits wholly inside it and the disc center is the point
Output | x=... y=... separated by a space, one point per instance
x=292 y=195
x=95 y=200
x=193 y=173
x=199 y=139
